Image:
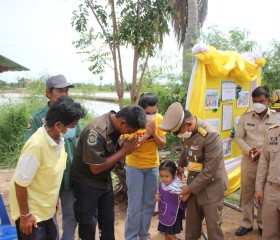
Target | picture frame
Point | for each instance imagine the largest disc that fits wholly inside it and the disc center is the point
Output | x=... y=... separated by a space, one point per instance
x=243 y=99
x=227 y=147
x=215 y=122
x=227 y=117
x=228 y=91
x=212 y=99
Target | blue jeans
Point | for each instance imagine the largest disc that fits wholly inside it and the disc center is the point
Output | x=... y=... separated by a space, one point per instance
x=92 y=206
x=142 y=186
x=69 y=222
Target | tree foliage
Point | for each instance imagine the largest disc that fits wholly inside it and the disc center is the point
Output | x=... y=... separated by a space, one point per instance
x=121 y=23
x=234 y=40
x=271 y=70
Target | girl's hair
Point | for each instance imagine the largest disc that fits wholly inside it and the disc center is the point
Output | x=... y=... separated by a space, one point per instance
x=148 y=100
x=169 y=166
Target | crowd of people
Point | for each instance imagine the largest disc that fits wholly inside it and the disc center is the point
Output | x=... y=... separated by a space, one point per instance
x=63 y=162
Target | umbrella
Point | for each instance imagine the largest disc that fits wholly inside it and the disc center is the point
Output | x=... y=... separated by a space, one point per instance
x=9 y=65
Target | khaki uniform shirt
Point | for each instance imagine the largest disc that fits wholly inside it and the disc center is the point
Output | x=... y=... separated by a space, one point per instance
x=97 y=142
x=205 y=147
x=250 y=130
x=269 y=163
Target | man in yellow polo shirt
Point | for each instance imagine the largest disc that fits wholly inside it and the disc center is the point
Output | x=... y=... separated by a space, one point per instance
x=35 y=185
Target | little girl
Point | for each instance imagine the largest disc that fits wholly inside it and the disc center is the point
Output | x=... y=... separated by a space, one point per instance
x=171 y=208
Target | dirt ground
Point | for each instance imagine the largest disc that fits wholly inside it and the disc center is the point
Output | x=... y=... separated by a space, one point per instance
x=231 y=217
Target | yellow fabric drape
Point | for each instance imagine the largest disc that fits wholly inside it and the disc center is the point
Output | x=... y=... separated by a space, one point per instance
x=220 y=64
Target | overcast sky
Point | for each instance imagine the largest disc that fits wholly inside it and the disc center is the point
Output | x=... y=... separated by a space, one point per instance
x=38 y=34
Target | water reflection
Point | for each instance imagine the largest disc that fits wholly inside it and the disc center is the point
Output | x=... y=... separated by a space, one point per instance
x=93 y=107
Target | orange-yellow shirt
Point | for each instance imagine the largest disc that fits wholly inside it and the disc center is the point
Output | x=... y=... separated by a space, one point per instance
x=146 y=156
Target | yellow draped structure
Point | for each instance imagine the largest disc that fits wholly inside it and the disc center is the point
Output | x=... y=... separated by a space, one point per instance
x=211 y=68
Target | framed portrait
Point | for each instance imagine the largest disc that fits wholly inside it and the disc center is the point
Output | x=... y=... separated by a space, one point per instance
x=243 y=100
x=212 y=99
x=227 y=147
x=215 y=122
x=228 y=91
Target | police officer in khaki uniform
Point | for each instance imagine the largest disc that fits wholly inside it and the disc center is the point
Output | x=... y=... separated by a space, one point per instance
x=268 y=184
x=249 y=137
x=96 y=154
x=207 y=179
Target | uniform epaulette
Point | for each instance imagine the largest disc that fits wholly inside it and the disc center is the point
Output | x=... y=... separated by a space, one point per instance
x=202 y=131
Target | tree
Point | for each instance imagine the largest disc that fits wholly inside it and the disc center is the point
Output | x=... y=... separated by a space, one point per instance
x=271 y=70
x=122 y=23
x=188 y=20
x=235 y=40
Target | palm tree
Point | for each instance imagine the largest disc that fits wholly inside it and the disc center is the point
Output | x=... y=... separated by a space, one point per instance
x=187 y=21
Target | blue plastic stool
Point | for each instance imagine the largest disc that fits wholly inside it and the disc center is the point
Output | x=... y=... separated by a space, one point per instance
x=7 y=230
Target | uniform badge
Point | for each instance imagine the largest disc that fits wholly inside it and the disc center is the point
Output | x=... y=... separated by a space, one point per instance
x=29 y=125
x=92 y=138
x=251 y=124
x=202 y=131
x=194 y=147
x=190 y=152
x=273 y=139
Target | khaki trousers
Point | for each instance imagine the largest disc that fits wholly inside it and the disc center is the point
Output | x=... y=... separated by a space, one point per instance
x=195 y=214
x=271 y=213
x=248 y=180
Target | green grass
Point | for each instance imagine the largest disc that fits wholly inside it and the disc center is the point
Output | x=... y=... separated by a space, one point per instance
x=234 y=198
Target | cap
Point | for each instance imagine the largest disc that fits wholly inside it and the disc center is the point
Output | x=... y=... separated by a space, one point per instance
x=58 y=81
x=173 y=118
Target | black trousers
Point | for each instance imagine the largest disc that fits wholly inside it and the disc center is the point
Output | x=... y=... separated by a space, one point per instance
x=46 y=230
x=92 y=206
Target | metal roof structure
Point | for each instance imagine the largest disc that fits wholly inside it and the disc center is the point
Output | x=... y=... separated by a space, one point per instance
x=9 y=65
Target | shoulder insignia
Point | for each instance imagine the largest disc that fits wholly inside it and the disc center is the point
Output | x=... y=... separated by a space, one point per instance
x=202 y=131
x=92 y=139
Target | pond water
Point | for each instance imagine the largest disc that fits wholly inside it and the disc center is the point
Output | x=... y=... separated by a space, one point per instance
x=92 y=106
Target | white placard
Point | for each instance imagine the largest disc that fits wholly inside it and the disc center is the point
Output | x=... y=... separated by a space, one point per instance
x=227 y=117
x=228 y=90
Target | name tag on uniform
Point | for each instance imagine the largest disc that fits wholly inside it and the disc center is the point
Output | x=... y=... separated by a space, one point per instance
x=251 y=124
x=194 y=167
x=273 y=143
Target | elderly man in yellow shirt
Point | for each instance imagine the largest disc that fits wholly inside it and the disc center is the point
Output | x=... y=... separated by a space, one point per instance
x=35 y=185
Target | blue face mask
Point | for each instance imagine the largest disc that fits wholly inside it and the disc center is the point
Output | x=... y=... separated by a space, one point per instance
x=70 y=133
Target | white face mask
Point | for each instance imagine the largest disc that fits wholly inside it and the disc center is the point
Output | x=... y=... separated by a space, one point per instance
x=186 y=134
x=150 y=117
x=258 y=107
